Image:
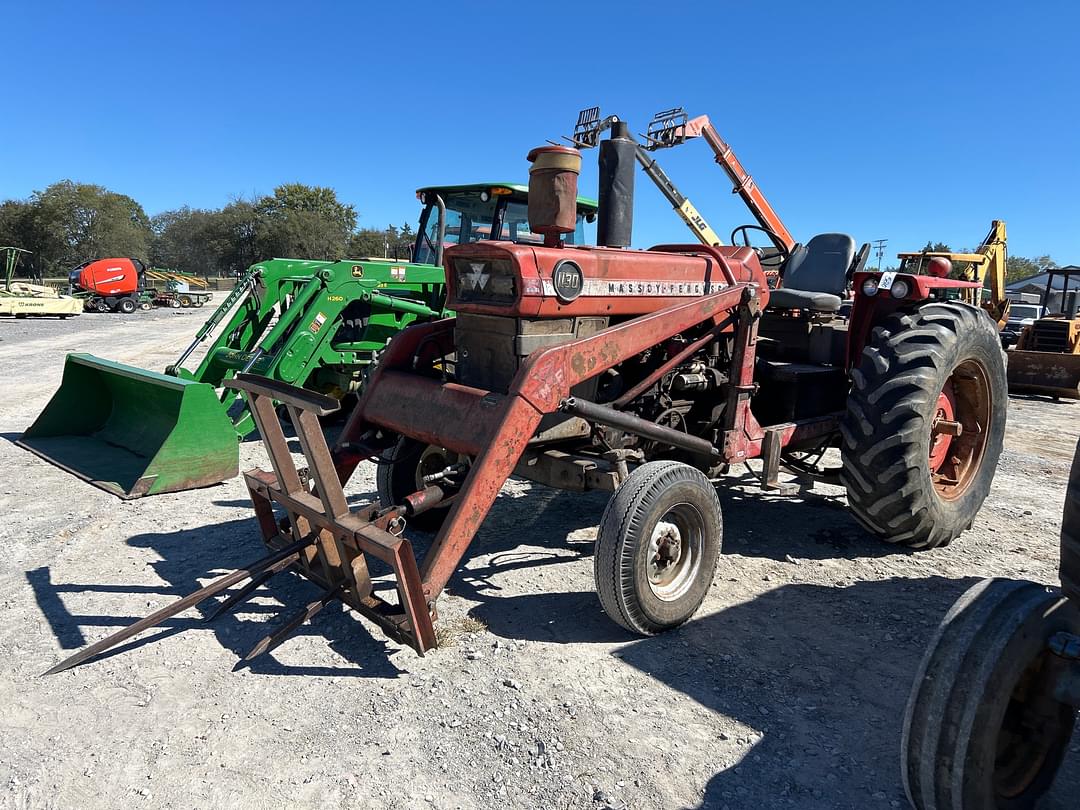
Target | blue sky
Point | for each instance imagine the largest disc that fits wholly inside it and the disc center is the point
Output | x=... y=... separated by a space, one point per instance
x=908 y=121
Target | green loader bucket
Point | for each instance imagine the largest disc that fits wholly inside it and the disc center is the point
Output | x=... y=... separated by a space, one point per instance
x=134 y=432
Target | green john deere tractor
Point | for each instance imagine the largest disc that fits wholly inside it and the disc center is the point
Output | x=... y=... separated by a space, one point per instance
x=318 y=324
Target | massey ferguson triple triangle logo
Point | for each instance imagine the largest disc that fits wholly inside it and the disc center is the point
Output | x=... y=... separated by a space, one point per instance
x=476 y=279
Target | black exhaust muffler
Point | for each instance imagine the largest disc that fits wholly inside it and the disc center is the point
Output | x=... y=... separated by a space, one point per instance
x=618 y=162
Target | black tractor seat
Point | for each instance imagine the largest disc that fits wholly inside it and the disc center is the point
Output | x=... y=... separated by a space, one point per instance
x=786 y=298
x=815 y=275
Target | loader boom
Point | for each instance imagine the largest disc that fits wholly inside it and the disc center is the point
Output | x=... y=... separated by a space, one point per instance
x=289 y=324
x=317 y=325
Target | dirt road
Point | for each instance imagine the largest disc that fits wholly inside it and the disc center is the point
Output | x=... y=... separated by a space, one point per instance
x=786 y=690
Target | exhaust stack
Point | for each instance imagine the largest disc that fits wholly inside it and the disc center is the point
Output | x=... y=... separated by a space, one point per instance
x=618 y=159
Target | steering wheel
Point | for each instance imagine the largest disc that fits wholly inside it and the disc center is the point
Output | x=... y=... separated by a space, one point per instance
x=771 y=261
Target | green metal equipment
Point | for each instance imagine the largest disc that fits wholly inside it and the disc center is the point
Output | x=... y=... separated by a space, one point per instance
x=316 y=324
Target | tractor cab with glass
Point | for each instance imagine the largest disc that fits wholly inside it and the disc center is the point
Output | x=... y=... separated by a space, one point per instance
x=458 y=215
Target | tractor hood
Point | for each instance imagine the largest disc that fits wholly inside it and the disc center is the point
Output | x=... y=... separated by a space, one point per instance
x=503 y=278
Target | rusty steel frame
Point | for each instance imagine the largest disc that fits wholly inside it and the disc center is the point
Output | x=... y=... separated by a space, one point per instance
x=316 y=504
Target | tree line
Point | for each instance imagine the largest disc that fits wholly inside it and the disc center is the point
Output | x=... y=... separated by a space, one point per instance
x=69 y=223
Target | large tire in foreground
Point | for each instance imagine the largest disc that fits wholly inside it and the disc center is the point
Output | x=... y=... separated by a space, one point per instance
x=126 y=305
x=657 y=547
x=401 y=473
x=979 y=732
x=924 y=424
x=1070 y=533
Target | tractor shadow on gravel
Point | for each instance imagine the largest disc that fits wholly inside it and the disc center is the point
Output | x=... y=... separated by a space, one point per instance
x=563 y=524
x=819 y=674
x=822 y=675
x=188 y=559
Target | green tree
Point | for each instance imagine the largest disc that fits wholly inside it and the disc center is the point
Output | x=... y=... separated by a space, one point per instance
x=184 y=240
x=17 y=230
x=936 y=247
x=304 y=222
x=400 y=241
x=73 y=222
x=1017 y=268
x=367 y=242
x=233 y=237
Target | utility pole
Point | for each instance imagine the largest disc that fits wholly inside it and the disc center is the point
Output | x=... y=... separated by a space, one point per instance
x=879 y=249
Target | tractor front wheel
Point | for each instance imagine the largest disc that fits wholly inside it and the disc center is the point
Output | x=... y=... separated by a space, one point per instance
x=982 y=727
x=657 y=547
x=402 y=471
x=924 y=424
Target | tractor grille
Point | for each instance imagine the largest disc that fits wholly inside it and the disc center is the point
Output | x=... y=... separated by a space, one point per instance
x=490 y=348
x=1050 y=336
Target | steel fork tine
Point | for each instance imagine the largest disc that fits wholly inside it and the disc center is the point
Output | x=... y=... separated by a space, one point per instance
x=290 y=553
x=246 y=592
x=268 y=642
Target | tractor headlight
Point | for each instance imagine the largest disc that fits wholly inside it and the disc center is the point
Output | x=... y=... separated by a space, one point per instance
x=869 y=287
x=900 y=288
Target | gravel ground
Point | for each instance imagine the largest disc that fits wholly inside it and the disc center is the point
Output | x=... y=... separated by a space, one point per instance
x=787 y=689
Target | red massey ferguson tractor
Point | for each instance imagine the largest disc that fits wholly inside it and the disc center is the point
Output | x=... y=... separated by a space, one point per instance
x=645 y=373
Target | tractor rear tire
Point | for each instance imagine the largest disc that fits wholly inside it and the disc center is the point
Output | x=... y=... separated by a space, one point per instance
x=980 y=729
x=657 y=547
x=1070 y=533
x=401 y=471
x=908 y=479
x=126 y=306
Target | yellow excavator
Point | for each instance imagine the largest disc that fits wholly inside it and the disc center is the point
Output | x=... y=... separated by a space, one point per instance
x=1047 y=355
x=986 y=263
